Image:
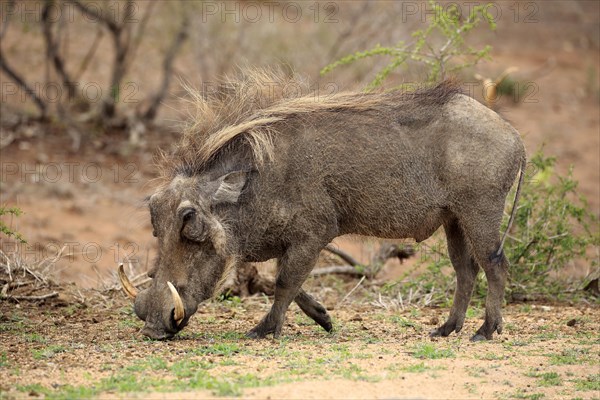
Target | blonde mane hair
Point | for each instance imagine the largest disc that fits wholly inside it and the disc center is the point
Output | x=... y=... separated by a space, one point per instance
x=251 y=104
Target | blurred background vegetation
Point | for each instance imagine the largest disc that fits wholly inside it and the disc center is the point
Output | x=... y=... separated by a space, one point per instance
x=101 y=81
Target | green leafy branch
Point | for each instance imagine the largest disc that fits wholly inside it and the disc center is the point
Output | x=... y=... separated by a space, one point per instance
x=14 y=211
x=448 y=24
x=553 y=228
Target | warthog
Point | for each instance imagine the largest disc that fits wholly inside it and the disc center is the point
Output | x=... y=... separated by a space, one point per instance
x=259 y=175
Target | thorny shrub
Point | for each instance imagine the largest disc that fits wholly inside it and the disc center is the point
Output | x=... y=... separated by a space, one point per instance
x=553 y=227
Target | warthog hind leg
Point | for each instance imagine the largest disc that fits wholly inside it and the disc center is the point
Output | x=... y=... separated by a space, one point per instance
x=466 y=272
x=483 y=232
x=314 y=310
x=496 y=272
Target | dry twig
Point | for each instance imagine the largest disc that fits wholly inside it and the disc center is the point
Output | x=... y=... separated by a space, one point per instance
x=33 y=298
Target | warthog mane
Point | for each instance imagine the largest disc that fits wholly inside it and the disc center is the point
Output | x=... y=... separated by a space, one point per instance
x=252 y=105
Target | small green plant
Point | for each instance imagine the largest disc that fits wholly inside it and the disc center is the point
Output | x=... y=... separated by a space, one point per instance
x=15 y=212
x=552 y=227
x=48 y=352
x=185 y=368
x=33 y=389
x=34 y=338
x=592 y=382
x=219 y=349
x=3 y=360
x=476 y=372
x=437 y=47
x=430 y=352
x=492 y=356
x=571 y=357
x=405 y=323
x=515 y=90
x=416 y=368
x=546 y=378
x=520 y=394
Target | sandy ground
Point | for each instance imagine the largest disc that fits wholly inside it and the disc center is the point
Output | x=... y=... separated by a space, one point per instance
x=84 y=203
x=87 y=197
x=546 y=351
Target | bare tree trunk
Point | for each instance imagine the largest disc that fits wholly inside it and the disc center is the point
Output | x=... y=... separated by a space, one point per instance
x=52 y=50
x=12 y=74
x=21 y=82
x=121 y=35
x=168 y=61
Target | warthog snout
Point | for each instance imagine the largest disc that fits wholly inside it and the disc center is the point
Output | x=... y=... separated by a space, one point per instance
x=159 y=325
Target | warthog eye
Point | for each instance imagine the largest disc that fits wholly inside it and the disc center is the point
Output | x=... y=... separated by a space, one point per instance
x=192 y=227
x=187 y=214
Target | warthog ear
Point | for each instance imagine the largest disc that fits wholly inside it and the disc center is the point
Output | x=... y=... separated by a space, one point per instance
x=230 y=187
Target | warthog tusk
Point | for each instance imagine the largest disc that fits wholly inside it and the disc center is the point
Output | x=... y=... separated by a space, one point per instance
x=179 y=313
x=128 y=287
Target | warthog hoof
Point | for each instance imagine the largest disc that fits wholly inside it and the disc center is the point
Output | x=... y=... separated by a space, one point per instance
x=327 y=325
x=486 y=332
x=264 y=328
x=478 y=337
x=446 y=329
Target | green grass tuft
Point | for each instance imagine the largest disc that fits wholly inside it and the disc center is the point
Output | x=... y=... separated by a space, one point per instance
x=429 y=351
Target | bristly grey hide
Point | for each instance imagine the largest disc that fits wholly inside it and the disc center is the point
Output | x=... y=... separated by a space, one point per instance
x=260 y=176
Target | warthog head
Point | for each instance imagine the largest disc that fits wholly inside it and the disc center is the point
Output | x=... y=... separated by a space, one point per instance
x=194 y=252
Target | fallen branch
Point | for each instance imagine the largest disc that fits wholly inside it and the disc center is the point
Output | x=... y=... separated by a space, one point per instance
x=33 y=298
x=343 y=255
x=357 y=269
x=338 y=269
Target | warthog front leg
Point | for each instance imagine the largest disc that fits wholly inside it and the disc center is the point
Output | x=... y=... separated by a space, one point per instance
x=293 y=269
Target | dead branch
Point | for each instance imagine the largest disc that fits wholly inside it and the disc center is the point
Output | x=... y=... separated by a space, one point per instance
x=52 y=51
x=178 y=41
x=94 y=15
x=12 y=74
x=8 y=70
x=393 y=251
x=342 y=37
x=121 y=43
x=338 y=269
x=357 y=269
x=33 y=298
x=89 y=55
x=343 y=255
x=248 y=281
x=140 y=32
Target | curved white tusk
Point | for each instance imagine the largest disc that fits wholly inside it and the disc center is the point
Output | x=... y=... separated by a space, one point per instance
x=128 y=287
x=179 y=313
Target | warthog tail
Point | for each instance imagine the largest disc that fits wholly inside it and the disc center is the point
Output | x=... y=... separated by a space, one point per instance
x=514 y=207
